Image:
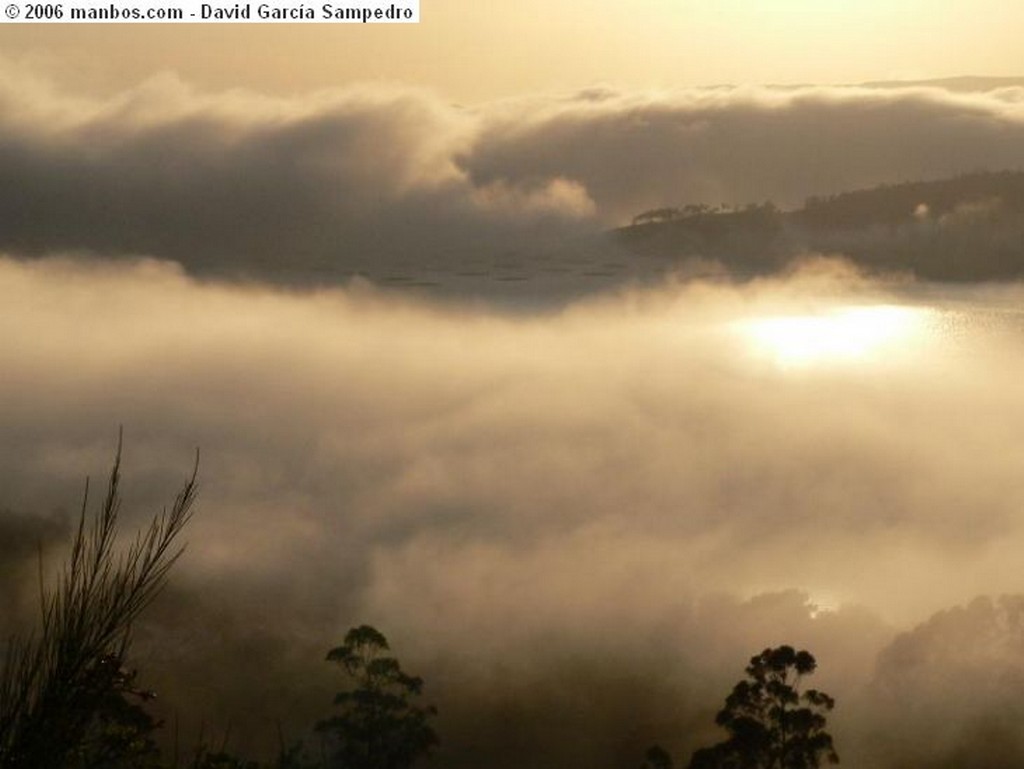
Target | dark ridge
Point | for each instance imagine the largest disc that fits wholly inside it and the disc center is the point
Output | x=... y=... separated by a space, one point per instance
x=966 y=228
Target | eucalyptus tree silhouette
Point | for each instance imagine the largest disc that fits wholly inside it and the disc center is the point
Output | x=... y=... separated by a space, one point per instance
x=378 y=726
x=772 y=724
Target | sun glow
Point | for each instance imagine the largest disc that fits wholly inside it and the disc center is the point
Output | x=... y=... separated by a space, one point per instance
x=822 y=603
x=847 y=334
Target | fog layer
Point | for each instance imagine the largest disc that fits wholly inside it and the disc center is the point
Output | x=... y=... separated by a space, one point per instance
x=576 y=526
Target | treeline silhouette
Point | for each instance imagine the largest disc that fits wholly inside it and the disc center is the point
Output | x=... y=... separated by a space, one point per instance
x=965 y=228
x=894 y=204
x=69 y=701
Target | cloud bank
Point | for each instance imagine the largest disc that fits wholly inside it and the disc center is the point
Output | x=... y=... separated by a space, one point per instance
x=576 y=526
x=739 y=145
x=372 y=179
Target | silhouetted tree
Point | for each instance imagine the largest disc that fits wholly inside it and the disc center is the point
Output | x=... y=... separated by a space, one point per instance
x=378 y=726
x=771 y=723
x=64 y=689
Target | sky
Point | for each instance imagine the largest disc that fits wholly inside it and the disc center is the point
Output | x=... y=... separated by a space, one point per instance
x=366 y=271
x=473 y=52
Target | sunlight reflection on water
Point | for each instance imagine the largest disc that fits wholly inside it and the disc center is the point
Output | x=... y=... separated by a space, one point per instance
x=838 y=334
x=872 y=333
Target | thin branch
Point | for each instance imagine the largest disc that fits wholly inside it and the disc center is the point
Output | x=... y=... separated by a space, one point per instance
x=52 y=682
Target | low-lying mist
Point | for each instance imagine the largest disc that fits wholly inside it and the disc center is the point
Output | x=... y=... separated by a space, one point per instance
x=577 y=525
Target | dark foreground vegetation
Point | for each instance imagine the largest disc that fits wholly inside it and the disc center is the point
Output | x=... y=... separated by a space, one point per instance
x=65 y=696
x=968 y=228
x=69 y=701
